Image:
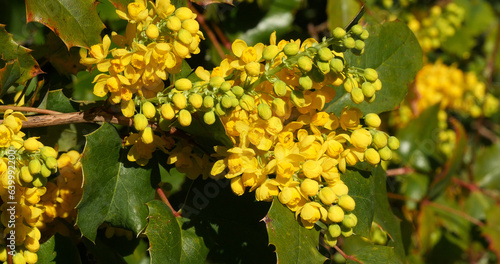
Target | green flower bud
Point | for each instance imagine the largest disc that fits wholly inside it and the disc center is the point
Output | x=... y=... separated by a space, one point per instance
x=51 y=163
x=327 y=196
x=325 y=54
x=264 y=111
x=208 y=102
x=377 y=85
x=209 y=117
x=26 y=175
x=372 y=156
x=385 y=153
x=349 y=43
x=347 y=203
x=372 y=120
x=149 y=110
x=334 y=230
x=219 y=110
x=335 y=214
x=393 y=143
x=270 y=52
x=45 y=172
x=350 y=220
x=304 y=63
x=234 y=101
x=329 y=240
x=179 y=100
x=357 y=95
x=379 y=140
x=38 y=181
x=337 y=65
x=140 y=122
x=305 y=82
x=346 y=232
x=279 y=88
x=291 y=49
x=226 y=102
x=183 y=84
x=297 y=98
x=196 y=100
x=368 y=89
x=324 y=67
x=359 y=44
x=364 y=35
x=238 y=91
x=48 y=152
x=357 y=29
x=225 y=87
x=247 y=102
x=349 y=84
x=338 y=33
x=147 y=135
x=216 y=82
x=184 y=118
x=371 y=75
x=167 y=111
x=184 y=36
x=34 y=166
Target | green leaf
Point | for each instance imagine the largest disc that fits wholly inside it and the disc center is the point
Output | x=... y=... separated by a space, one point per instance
x=478 y=203
x=453 y=164
x=58 y=249
x=121 y=4
x=279 y=18
x=487 y=168
x=114 y=191
x=10 y=51
x=9 y=75
x=383 y=214
x=418 y=140
x=491 y=231
x=205 y=135
x=294 y=243
x=390 y=48
x=57 y=101
x=169 y=242
x=414 y=186
x=375 y=254
x=361 y=189
x=76 y=22
x=341 y=12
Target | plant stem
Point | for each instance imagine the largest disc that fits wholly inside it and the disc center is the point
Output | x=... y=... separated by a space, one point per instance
x=74 y=118
x=3 y=108
x=455 y=212
x=164 y=198
x=345 y=255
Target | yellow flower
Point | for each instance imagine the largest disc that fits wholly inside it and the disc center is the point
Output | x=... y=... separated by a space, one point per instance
x=361 y=138
x=312 y=169
x=349 y=118
x=98 y=54
x=267 y=191
x=13 y=120
x=5 y=136
x=309 y=214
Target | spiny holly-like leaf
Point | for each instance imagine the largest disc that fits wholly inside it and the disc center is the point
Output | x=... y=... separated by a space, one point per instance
x=383 y=214
x=294 y=243
x=115 y=191
x=9 y=75
x=453 y=164
x=361 y=189
x=168 y=241
x=11 y=52
x=57 y=101
x=375 y=254
x=76 y=22
x=487 y=168
x=390 y=48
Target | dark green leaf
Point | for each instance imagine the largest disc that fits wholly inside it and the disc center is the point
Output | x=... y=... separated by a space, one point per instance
x=361 y=189
x=375 y=254
x=10 y=51
x=418 y=140
x=169 y=242
x=115 y=191
x=294 y=243
x=487 y=168
x=76 y=22
x=341 y=12
x=390 y=48
x=57 y=101
x=453 y=164
x=9 y=75
x=492 y=229
x=477 y=204
x=121 y=4
x=58 y=249
x=384 y=216
x=414 y=186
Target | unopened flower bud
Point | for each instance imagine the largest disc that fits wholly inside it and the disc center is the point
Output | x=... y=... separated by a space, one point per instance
x=264 y=111
x=393 y=143
x=238 y=91
x=252 y=68
x=216 y=82
x=361 y=138
x=140 y=122
x=325 y=54
x=167 y=111
x=208 y=102
x=152 y=31
x=334 y=230
x=183 y=84
x=372 y=120
x=372 y=156
x=338 y=33
x=185 y=118
x=179 y=100
x=327 y=196
x=367 y=89
x=247 y=102
x=147 y=135
x=335 y=214
x=347 y=203
x=304 y=63
x=291 y=49
x=385 y=153
x=350 y=220
x=370 y=74
x=270 y=52
x=337 y=65
x=279 y=88
x=279 y=107
x=196 y=100
x=357 y=95
x=209 y=117
x=31 y=144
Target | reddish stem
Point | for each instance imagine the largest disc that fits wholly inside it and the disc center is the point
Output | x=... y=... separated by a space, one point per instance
x=455 y=212
x=399 y=171
x=3 y=108
x=346 y=256
x=164 y=198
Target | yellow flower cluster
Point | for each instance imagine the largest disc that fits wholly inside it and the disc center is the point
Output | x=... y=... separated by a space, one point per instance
x=155 y=42
x=301 y=161
x=439 y=24
x=29 y=201
x=454 y=90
